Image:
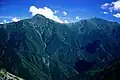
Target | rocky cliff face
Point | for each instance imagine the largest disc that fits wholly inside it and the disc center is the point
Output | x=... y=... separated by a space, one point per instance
x=41 y=49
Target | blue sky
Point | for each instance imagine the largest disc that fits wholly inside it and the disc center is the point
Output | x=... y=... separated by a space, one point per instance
x=66 y=10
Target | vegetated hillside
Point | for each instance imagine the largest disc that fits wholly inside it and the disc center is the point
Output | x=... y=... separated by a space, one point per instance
x=111 y=72
x=4 y=75
x=41 y=49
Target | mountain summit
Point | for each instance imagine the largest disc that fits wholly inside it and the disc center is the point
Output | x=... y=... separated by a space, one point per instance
x=41 y=49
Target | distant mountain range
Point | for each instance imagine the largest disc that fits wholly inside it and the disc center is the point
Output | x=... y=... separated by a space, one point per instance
x=42 y=49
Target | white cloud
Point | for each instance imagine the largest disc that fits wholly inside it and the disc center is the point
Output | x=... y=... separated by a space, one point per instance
x=65 y=21
x=1 y=23
x=105 y=12
x=15 y=19
x=117 y=15
x=47 y=12
x=56 y=11
x=112 y=6
x=5 y=21
x=106 y=5
x=64 y=13
x=77 y=18
x=116 y=5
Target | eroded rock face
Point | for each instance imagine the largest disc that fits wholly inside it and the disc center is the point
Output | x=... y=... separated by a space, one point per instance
x=46 y=50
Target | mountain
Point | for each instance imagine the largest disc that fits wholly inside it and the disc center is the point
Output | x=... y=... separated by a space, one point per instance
x=111 y=72
x=4 y=75
x=42 y=49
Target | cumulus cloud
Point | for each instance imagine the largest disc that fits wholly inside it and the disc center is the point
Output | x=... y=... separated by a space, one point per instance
x=106 y=5
x=5 y=21
x=77 y=18
x=47 y=12
x=56 y=11
x=117 y=15
x=64 y=13
x=113 y=6
x=65 y=21
x=15 y=19
x=1 y=23
x=116 y=5
x=105 y=12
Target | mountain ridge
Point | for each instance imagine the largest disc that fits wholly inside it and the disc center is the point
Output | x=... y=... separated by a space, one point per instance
x=47 y=50
x=42 y=16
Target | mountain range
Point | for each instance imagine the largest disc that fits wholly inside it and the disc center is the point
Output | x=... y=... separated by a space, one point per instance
x=42 y=49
